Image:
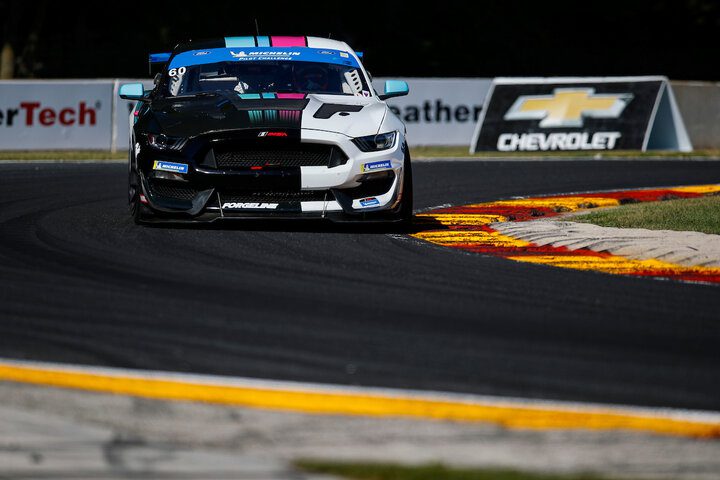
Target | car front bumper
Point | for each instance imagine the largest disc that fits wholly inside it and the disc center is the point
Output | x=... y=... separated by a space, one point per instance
x=366 y=186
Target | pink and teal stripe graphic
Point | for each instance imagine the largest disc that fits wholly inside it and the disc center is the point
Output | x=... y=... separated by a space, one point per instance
x=265 y=41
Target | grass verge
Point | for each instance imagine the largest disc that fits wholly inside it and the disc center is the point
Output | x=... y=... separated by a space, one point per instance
x=384 y=471
x=463 y=152
x=62 y=155
x=689 y=214
x=417 y=152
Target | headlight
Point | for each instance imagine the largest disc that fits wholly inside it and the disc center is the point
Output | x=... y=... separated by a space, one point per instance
x=373 y=143
x=163 y=142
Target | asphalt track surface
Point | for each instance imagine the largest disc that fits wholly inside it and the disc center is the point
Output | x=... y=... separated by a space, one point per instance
x=80 y=283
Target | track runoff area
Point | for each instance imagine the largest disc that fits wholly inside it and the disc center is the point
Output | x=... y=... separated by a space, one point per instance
x=466 y=228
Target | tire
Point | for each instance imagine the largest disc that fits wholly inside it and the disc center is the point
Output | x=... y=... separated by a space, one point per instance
x=406 y=203
x=134 y=189
x=138 y=212
x=133 y=180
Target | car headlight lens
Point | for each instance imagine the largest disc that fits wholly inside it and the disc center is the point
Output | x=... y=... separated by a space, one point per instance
x=374 y=143
x=163 y=142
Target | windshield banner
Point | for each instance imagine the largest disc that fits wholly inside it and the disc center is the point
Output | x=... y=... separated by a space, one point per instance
x=260 y=54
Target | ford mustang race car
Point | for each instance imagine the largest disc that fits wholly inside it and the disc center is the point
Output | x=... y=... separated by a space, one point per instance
x=258 y=127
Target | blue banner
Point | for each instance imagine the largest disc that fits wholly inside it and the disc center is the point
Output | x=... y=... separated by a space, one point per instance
x=260 y=54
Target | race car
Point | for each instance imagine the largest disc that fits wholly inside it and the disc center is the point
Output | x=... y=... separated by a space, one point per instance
x=262 y=127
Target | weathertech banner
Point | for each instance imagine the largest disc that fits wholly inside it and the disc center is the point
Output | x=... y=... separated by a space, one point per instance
x=572 y=114
x=44 y=114
x=440 y=111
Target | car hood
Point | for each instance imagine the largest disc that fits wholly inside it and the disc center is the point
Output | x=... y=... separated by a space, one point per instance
x=346 y=115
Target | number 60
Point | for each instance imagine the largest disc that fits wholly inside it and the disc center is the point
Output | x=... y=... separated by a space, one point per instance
x=174 y=72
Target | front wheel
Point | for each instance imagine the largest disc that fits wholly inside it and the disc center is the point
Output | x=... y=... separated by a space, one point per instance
x=136 y=209
x=406 y=201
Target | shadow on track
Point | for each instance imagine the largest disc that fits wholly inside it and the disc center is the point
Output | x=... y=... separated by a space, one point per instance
x=304 y=225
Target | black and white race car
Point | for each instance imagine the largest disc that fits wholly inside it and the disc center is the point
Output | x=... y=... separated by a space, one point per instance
x=257 y=127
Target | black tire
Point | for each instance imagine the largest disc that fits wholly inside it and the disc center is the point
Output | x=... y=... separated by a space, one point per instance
x=406 y=202
x=137 y=211
x=133 y=180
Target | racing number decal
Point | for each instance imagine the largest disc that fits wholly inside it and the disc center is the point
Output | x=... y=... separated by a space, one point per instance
x=177 y=72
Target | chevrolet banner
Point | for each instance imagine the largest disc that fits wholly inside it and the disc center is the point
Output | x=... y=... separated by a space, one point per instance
x=557 y=114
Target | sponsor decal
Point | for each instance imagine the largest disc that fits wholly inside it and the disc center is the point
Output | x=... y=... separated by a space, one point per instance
x=256 y=54
x=344 y=55
x=30 y=114
x=563 y=115
x=250 y=206
x=369 y=202
x=274 y=54
x=437 y=111
x=564 y=108
x=272 y=134
x=365 y=93
x=530 y=142
x=170 y=166
x=374 y=166
x=567 y=107
x=269 y=55
x=200 y=54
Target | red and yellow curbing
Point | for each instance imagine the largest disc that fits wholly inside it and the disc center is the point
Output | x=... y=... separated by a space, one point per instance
x=469 y=228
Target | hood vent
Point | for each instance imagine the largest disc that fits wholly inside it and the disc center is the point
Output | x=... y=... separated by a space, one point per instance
x=270 y=104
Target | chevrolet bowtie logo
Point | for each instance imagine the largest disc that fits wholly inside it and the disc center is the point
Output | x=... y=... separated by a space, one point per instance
x=567 y=107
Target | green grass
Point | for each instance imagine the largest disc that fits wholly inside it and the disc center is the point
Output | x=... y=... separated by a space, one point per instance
x=62 y=155
x=417 y=152
x=690 y=214
x=382 y=471
x=434 y=152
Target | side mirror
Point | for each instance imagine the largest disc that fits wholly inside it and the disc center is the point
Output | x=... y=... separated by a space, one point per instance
x=395 y=88
x=132 y=91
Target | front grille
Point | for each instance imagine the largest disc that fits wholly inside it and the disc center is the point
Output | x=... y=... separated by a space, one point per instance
x=277 y=197
x=300 y=156
x=174 y=190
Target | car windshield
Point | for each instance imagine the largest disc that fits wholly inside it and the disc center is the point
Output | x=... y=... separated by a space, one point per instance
x=267 y=77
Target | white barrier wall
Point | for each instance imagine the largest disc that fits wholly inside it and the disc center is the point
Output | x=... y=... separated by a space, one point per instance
x=440 y=111
x=41 y=115
x=699 y=103
x=76 y=114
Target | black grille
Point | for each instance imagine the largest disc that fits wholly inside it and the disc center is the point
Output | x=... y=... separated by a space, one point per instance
x=301 y=156
x=277 y=197
x=172 y=190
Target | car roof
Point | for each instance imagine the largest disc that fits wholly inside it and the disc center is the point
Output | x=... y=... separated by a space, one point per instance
x=264 y=41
